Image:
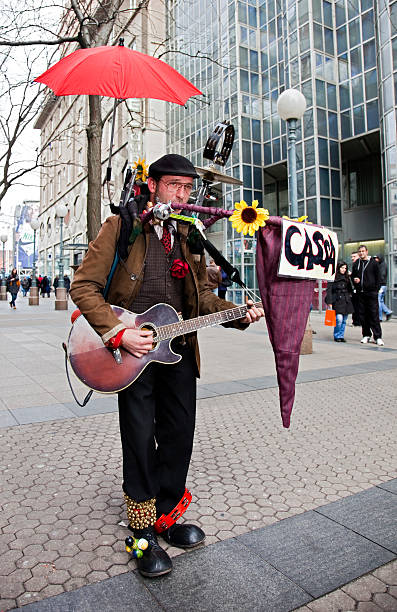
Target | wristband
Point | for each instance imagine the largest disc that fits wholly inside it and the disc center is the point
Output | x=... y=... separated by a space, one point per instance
x=115 y=342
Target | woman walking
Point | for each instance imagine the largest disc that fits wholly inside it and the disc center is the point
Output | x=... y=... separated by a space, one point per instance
x=339 y=298
x=13 y=285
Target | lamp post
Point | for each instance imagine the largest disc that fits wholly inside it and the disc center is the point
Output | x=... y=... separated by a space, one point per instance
x=291 y=105
x=61 y=301
x=3 y=291
x=34 y=291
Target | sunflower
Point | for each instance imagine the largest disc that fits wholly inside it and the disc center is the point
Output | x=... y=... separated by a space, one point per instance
x=248 y=219
x=141 y=168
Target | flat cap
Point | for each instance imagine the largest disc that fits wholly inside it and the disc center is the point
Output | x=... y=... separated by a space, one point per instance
x=172 y=164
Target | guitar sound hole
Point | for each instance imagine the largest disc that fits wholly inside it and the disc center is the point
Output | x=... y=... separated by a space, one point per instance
x=152 y=328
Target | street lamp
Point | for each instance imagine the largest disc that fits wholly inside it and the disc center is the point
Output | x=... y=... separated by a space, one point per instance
x=61 y=211
x=291 y=105
x=4 y=239
x=61 y=301
x=34 y=224
x=34 y=290
x=3 y=291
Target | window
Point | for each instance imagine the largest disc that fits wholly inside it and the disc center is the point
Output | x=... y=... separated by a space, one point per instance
x=364 y=181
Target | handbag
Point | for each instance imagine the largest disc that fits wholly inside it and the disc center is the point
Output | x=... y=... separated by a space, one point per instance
x=330 y=317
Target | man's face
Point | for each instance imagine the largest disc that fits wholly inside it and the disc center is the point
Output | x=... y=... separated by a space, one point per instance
x=174 y=188
x=363 y=253
x=354 y=257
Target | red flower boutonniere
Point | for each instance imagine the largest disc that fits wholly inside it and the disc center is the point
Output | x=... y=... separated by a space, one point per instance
x=179 y=268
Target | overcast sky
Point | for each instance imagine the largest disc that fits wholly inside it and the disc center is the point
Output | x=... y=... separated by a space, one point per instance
x=32 y=19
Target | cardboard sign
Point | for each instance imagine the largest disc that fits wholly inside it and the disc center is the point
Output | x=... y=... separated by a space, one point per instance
x=308 y=251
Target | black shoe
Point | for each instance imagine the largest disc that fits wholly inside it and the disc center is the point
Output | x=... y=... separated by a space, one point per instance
x=183 y=536
x=337 y=340
x=154 y=561
x=342 y=340
x=388 y=317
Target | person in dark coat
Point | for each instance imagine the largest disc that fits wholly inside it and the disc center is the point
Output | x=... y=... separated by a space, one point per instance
x=66 y=283
x=13 y=285
x=366 y=279
x=222 y=288
x=339 y=298
x=45 y=286
x=355 y=299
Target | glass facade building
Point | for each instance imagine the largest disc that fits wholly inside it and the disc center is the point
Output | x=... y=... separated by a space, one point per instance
x=342 y=55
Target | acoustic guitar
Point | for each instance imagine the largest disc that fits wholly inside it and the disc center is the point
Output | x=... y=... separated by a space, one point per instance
x=108 y=371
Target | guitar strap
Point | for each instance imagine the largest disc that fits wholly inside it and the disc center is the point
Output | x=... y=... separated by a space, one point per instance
x=221 y=261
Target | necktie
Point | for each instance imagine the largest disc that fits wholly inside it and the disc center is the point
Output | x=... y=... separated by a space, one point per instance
x=166 y=238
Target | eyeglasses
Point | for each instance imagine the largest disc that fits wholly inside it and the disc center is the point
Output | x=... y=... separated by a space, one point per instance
x=174 y=187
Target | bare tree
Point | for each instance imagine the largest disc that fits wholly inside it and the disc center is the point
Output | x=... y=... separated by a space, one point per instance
x=62 y=28
x=86 y=23
x=20 y=102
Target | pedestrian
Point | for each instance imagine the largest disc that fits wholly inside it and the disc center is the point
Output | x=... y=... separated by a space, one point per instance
x=25 y=285
x=338 y=297
x=355 y=300
x=214 y=276
x=225 y=283
x=56 y=282
x=39 y=281
x=157 y=411
x=66 y=283
x=45 y=286
x=13 y=285
x=366 y=279
x=382 y=291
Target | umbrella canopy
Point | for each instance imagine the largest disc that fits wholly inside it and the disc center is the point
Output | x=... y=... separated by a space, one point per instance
x=117 y=72
x=286 y=302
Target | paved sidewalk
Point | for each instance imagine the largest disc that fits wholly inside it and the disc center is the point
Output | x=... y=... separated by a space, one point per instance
x=62 y=518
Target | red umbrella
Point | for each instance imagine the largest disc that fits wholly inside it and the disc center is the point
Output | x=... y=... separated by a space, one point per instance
x=117 y=72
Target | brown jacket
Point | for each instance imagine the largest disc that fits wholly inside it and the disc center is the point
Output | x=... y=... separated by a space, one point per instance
x=90 y=279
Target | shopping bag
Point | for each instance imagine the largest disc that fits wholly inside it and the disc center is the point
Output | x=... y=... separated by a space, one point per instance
x=330 y=317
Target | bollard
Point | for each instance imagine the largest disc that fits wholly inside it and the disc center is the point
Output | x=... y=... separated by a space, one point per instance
x=61 y=299
x=34 y=296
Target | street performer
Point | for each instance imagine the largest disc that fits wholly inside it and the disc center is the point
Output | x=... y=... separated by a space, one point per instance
x=156 y=412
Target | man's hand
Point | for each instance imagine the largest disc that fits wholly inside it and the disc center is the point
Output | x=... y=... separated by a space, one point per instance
x=138 y=342
x=356 y=280
x=253 y=313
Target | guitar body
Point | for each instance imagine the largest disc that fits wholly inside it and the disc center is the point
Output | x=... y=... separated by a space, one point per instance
x=95 y=365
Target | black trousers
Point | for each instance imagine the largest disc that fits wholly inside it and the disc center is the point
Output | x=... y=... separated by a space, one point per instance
x=369 y=314
x=157 y=419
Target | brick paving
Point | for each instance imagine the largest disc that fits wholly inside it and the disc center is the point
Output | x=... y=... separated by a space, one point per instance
x=62 y=518
x=63 y=504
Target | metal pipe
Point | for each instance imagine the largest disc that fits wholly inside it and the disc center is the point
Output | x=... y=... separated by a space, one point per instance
x=61 y=283
x=109 y=168
x=34 y=281
x=292 y=182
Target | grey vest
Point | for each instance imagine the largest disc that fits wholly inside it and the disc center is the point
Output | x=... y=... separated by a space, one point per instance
x=158 y=284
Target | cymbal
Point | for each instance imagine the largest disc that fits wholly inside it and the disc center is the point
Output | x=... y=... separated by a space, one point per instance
x=210 y=173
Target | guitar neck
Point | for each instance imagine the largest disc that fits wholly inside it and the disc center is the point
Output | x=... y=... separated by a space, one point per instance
x=167 y=332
